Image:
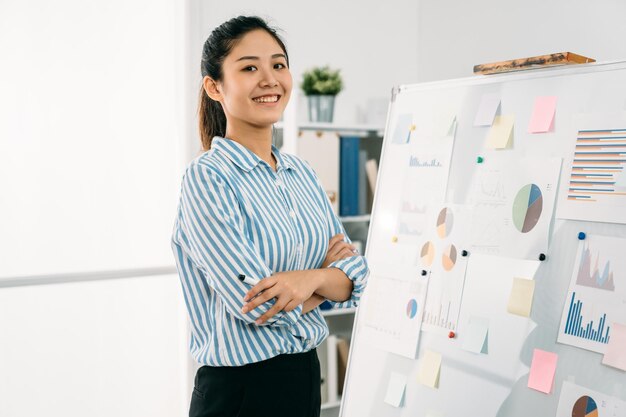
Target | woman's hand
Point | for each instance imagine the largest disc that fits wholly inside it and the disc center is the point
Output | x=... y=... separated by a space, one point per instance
x=290 y=289
x=338 y=249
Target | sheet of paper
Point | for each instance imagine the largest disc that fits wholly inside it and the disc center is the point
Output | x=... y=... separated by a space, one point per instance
x=446 y=123
x=402 y=129
x=475 y=337
x=487 y=110
x=395 y=389
x=425 y=184
x=542 y=369
x=615 y=354
x=430 y=369
x=501 y=133
x=542 y=117
x=594 y=187
x=576 y=400
x=395 y=308
x=521 y=299
x=441 y=253
x=513 y=202
x=597 y=294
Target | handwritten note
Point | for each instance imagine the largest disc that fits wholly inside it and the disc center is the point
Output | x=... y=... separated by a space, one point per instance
x=487 y=110
x=395 y=389
x=501 y=133
x=430 y=369
x=521 y=298
x=542 y=370
x=543 y=114
x=476 y=338
x=615 y=354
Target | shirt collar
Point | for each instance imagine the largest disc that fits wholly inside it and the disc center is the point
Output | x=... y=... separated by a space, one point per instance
x=245 y=158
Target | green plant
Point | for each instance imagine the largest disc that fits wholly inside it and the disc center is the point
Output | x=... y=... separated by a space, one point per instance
x=321 y=80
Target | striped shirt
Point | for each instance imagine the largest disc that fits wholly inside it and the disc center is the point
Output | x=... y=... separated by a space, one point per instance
x=237 y=216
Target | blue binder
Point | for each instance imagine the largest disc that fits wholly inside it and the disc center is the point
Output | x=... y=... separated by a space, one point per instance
x=349 y=176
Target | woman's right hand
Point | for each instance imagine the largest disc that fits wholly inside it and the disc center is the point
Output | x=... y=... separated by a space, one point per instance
x=338 y=249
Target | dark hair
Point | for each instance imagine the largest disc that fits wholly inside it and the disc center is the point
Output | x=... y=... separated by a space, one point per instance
x=211 y=117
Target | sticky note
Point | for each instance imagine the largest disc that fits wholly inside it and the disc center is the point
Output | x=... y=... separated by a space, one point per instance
x=430 y=368
x=402 y=131
x=521 y=298
x=501 y=133
x=543 y=114
x=475 y=338
x=446 y=123
x=615 y=354
x=395 y=389
x=487 y=110
x=542 y=370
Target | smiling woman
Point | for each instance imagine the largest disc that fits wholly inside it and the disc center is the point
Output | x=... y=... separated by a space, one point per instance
x=246 y=209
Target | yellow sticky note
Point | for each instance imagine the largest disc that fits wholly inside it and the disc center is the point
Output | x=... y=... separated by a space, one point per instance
x=521 y=298
x=501 y=133
x=430 y=368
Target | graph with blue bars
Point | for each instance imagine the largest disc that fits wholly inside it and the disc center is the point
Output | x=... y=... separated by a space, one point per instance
x=576 y=325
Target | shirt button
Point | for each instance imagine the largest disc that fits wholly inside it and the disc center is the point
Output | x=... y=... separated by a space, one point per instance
x=292 y=214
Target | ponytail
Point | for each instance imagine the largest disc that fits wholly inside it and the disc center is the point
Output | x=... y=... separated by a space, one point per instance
x=211 y=119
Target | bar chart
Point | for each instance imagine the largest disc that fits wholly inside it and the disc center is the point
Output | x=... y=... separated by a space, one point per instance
x=579 y=326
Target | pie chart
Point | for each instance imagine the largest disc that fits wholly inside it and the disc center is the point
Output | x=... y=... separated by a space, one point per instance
x=444 y=223
x=428 y=254
x=585 y=407
x=449 y=258
x=527 y=208
x=411 y=309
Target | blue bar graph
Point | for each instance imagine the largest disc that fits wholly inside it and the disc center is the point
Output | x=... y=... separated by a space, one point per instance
x=574 y=324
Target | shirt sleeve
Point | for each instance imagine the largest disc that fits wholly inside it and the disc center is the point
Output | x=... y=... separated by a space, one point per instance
x=355 y=267
x=214 y=237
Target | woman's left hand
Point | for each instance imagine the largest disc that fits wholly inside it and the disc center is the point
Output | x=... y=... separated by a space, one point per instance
x=290 y=289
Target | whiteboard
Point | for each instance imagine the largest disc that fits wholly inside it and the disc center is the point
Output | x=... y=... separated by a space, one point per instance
x=90 y=126
x=495 y=383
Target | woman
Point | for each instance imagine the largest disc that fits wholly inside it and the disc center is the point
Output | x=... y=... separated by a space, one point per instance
x=248 y=210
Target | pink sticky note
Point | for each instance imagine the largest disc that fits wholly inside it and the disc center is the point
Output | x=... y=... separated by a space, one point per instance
x=542 y=370
x=615 y=354
x=543 y=114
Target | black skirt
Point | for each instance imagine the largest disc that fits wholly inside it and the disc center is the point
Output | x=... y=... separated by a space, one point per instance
x=283 y=386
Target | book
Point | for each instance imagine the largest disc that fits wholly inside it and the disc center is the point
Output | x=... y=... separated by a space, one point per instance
x=349 y=176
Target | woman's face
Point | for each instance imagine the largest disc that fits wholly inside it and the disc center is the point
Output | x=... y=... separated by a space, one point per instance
x=256 y=82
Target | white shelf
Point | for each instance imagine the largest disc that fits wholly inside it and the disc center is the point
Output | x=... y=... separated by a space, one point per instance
x=329 y=405
x=337 y=127
x=338 y=312
x=355 y=219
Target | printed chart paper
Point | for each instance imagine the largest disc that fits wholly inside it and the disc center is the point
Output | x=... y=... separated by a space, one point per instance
x=597 y=294
x=576 y=401
x=513 y=202
x=594 y=188
x=425 y=183
x=395 y=307
x=441 y=253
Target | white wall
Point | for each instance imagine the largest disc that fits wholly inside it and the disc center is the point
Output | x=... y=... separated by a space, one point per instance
x=371 y=42
x=454 y=36
x=93 y=118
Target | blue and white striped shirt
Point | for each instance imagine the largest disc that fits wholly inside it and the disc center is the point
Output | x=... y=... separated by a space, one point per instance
x=237 y=216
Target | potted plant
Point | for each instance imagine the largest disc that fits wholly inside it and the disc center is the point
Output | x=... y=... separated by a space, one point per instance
x=321 y=85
